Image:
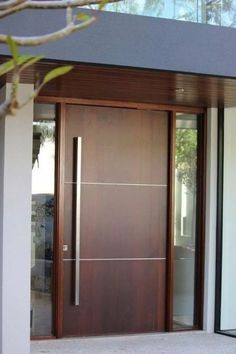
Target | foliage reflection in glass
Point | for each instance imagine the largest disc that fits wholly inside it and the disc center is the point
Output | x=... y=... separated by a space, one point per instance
x=185 y=220
x=214 y=12
x=42 y=225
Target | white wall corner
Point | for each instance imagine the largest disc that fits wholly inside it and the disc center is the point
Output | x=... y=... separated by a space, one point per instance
x=2 y=130
x=211 y=208
x=228 y=287
x=15 y=225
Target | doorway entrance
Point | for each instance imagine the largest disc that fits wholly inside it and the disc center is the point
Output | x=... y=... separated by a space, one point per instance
x=116 y=168
x=128 y=220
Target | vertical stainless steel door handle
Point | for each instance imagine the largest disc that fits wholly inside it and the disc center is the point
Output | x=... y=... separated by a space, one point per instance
x=77 y=220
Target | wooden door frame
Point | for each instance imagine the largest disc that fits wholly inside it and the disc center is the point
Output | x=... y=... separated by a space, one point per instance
x=58 y=290
x=200 y=216
x=59 y=220
x=170 y=223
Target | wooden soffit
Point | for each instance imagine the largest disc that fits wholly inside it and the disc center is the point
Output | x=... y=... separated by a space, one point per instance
x=88 y=81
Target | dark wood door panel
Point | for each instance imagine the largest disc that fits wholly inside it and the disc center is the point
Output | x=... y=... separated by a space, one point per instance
x=123 y=217
x=115 y=297
x=119 y=221
x=118 y=145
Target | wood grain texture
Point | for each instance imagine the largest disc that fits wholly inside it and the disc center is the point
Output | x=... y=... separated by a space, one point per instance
x=137 y=85
x=121 y=104
x=117 y=221
x=170 y=223
x=118 y=145
x=116 y=297
x=59 y=220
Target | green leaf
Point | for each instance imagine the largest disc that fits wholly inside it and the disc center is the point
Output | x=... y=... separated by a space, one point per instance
x=6 y=67
x=53 y=74
x=13 y=48
x=32 y=60
x=83 y=16
x=24 y=58
x=102 y=4
x=10 y=64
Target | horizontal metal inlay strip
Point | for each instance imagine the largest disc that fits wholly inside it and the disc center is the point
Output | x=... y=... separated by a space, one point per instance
x=119 y=184
x=184 y=259
x=115 y=259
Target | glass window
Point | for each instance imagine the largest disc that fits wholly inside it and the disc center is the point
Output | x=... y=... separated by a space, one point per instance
x=214 y=12
x=185 y=220
x=227 y=288
x=42 y=224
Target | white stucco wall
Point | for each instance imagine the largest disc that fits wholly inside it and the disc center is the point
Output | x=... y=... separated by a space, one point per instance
x=228 y=301
x=210 y=234
x=15 y=227
x=2 y=131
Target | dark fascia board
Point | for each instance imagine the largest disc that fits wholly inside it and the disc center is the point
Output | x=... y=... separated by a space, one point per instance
x=132 y=41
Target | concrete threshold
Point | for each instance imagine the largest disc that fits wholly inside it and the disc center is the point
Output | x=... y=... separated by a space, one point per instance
x=194 y=342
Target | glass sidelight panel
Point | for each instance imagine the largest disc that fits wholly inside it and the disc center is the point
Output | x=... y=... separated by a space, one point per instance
x=42 y=225
x=212 y=12
x=185 y=220
x=226 y=265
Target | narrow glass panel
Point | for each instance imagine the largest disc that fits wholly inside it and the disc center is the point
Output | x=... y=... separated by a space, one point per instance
x=213 y=12
x=228 y=285
x=185 y=220
x=43 y=166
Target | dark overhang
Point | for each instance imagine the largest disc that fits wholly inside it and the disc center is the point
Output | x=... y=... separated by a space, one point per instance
x=138 y=85
x=135 y=41
x=135 y=58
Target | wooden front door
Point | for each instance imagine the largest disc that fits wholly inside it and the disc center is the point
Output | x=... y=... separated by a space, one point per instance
x=115 y=274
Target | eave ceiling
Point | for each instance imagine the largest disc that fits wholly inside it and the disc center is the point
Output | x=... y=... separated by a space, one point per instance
x=137 y=85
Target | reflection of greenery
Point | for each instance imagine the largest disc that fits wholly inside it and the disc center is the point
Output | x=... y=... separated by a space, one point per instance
x=221 y=12
x=186 y=157
x=186 y=10
x=46 y=129
x=216 y=12
x=153 y=7
x=45 y=209
x=42 y=131
x=43 y=215
x=144 y=7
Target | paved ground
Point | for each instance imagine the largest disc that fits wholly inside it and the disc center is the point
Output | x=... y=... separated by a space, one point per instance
x=171 y=343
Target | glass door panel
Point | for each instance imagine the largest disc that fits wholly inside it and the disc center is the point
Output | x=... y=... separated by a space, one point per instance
x=42 y=224
x=226 y=285
x=186 y=148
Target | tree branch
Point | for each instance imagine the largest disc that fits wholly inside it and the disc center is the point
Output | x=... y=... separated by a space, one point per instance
x=11 y=3
x=62 y=4
x=50 y=37
x=11 y=10
x=8 y=7
x=16 y=6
